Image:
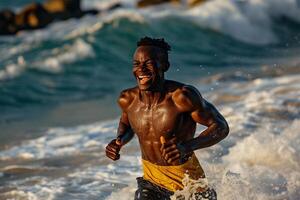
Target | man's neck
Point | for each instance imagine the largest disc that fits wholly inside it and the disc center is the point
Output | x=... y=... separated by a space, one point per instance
x=152 y=97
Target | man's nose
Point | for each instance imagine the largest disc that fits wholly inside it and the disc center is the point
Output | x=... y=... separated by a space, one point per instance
x=143 y=67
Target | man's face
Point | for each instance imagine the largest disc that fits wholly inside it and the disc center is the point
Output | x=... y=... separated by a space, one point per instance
x=147 y=67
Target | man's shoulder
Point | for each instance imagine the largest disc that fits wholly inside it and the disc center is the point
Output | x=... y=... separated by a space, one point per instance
x=129 y=91
x=177 y=88
x=126 y=97
x=185 y=96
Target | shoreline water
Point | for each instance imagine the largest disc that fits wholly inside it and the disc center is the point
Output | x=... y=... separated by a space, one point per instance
x=66 y=115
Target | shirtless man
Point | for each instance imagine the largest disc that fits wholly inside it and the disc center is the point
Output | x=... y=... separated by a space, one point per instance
x=163 y=114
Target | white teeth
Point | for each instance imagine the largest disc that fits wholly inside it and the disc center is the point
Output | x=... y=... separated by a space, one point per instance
x=144 y=76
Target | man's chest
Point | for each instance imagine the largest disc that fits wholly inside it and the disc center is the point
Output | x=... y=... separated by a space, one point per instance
x=162 y=119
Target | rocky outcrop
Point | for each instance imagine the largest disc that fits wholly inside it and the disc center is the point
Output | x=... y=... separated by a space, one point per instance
x=36 y=16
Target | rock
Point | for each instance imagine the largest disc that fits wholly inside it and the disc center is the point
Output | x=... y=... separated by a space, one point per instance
x=64 y=9
x=7 y=22
x=190 y=3
x=33 y=16
x=147 y=3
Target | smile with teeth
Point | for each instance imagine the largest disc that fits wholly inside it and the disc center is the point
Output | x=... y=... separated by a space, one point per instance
x=144 y=78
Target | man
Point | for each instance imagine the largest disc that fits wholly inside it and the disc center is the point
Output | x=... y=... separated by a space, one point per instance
x=163 y=114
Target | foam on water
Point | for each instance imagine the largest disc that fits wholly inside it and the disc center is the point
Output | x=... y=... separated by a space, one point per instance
x=53 y=62
x=62 y=142
x=69 y=53
x=258 y=160
x=40 y=189
x=249 y=21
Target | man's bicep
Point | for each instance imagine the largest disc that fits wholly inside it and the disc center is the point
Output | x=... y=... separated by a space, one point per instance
x=124 y=118
x=201 y=111
x=205 y=113
x=124 y=124
x=124 y=102
x=125 y=132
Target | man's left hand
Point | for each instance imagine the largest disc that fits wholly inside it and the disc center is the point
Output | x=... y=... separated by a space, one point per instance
x=171 y=151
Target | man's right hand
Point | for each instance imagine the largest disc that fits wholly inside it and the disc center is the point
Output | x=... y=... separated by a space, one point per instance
x=113 y=149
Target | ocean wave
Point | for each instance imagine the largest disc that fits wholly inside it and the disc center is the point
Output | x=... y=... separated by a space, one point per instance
x=50 y=63
x=250 y=21
x=67 y=54
x=63 y=142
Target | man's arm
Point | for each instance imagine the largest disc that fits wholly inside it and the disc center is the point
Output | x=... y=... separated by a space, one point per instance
x=189 y=100
x=203 y=113
x=125 y=133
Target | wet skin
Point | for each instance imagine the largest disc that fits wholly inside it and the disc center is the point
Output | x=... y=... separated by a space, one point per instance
x=164 y=113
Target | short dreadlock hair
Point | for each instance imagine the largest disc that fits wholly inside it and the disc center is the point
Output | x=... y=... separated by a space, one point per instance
x=160 y=43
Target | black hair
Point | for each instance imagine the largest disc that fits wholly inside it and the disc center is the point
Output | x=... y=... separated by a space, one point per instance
x=160 y=43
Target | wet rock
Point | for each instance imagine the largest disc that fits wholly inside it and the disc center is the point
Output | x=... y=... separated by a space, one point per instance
x=36 y=15
x=33 y=16
x=147 y=3
x=7 y=22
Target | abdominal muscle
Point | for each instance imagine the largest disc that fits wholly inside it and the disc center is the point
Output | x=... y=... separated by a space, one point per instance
x=151 y=152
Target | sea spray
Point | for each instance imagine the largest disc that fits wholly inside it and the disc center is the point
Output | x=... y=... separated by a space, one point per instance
x=190 y=187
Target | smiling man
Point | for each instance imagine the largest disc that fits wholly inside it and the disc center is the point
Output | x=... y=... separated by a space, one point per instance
x=164 y=114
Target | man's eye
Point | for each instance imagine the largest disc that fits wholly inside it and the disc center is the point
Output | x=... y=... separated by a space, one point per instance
x=150 y=63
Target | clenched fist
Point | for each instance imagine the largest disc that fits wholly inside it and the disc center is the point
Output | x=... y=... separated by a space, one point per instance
x=113 y=149
x=171 y=151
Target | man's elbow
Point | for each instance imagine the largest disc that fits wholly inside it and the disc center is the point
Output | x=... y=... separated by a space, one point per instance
x=223 y=130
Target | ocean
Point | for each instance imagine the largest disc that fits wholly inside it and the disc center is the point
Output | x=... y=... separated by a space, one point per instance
x=59 y=87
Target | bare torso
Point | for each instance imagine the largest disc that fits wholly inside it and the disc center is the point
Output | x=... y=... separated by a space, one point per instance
x=151 y=119
x=163 y=113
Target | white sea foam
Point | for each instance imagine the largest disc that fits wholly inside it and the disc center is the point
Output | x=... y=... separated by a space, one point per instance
x=91 y=26
x=62 y=142
x=42 y=190
x=51 y=63
x=12 y=70
x=67 y=54
x=249 y=21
